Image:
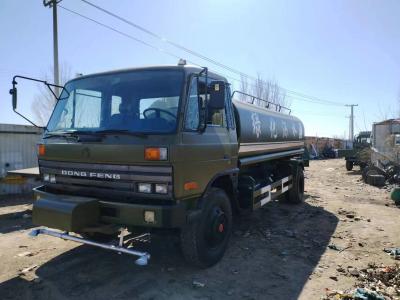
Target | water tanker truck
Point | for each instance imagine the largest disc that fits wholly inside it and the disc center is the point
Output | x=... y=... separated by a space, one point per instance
x=142 y=151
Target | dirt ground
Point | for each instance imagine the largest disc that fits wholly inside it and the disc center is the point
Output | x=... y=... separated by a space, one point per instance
x=279 y=252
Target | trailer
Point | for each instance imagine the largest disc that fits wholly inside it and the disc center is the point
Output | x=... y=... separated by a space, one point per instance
x=152 y=149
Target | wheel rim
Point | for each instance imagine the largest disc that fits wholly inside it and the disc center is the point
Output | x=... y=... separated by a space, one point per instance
x=217 y=229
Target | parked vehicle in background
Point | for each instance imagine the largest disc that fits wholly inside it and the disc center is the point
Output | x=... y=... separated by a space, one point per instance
x=151 y=149
x=329 y=152
x=360 y=154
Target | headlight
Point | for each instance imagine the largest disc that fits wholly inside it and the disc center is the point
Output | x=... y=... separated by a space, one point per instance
x=49 y=178
x=144 y=188
x=46 y=177
x=161 y=188
x=52 y=178
x=149 y=216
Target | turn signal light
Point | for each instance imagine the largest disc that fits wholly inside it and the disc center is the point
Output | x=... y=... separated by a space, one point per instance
x=192 y=185
x=41 y=150
x=155 y=154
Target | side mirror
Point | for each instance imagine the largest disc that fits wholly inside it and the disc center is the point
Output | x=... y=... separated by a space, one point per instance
x=217 y=95
x=13 y=93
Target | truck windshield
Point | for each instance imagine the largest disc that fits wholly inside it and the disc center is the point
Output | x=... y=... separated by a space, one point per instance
x=144 y=101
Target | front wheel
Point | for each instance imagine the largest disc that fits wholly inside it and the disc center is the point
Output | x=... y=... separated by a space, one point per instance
x=204 y=241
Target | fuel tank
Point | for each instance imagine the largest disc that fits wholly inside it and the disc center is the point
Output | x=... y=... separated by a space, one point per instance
x=262 y=131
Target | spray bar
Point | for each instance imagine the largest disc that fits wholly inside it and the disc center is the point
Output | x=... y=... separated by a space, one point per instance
x=141 y=261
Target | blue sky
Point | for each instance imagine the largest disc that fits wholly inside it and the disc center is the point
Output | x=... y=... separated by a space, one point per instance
x=342 y=51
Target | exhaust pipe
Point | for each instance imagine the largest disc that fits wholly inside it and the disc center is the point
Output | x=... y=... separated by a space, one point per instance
x=141 y=261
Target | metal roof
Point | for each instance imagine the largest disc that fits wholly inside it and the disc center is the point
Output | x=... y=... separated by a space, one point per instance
x=388 y=121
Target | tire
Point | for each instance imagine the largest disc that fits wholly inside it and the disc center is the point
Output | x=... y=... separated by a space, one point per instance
x=376 y=179
x=204 y=240
x=349 y=165
x=371 y=171
x=296 y=194
x=364 y=173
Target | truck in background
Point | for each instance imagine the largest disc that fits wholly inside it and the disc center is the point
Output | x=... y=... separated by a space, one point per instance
x=360 y=154
x=162 y=148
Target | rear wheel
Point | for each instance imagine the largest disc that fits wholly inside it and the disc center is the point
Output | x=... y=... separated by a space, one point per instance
x=204 y=241
x=349 y=165
x=296 y=194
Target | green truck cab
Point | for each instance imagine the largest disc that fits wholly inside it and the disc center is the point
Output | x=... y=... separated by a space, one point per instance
x=149 y=149
x=359 y=155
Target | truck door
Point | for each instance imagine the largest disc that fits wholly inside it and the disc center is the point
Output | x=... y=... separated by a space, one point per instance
x=205 y=154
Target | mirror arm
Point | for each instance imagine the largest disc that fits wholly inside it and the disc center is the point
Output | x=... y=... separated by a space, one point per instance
x=54 y=94
x=49 y=85
x=34 y=79
x=13 y=92
x=28 y=120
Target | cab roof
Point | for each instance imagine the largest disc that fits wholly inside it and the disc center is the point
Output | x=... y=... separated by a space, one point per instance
x=188 y=69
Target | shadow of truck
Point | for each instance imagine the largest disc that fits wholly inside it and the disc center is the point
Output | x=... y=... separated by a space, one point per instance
x=271 y=256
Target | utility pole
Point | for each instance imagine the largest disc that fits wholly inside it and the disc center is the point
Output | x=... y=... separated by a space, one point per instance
x=351 y=124
x=53 y=4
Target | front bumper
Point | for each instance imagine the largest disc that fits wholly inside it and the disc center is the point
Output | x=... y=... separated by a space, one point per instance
x=74 y=213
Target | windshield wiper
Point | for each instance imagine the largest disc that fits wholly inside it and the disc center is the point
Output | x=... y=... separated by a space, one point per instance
x=120 y=131
x=78 y=135
x=63 y=134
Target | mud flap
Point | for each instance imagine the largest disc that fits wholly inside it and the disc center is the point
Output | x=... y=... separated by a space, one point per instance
x=66 y=213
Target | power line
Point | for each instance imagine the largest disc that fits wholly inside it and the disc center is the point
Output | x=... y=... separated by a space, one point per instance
x=119 y=32
x=166 y=52
x=176 y=45
x=309 y=99
x=163 y=39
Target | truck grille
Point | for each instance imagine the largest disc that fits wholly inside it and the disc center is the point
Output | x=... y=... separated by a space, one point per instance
x=105 y=180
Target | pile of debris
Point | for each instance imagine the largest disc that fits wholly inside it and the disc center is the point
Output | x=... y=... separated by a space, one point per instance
x=373 y=283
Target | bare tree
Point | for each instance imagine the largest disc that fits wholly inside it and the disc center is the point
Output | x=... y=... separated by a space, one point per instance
x=398 y=104
x=268 y=90
x=244 y=87
x=43 y=103
x=385 y=113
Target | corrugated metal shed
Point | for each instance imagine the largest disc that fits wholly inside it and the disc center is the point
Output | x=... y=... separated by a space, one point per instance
x=17 y=151
x=386 y=142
